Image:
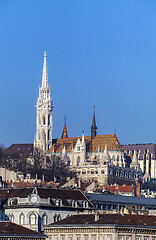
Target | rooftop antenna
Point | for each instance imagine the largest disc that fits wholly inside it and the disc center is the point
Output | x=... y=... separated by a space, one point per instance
x=115 y=131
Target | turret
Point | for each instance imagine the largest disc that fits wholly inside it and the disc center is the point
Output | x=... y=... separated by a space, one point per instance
x=135 y=164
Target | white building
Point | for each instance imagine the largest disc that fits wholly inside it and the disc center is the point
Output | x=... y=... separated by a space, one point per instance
x=36 y=207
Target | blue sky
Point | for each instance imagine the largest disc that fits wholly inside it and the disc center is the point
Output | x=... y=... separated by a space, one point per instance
x=100 y=53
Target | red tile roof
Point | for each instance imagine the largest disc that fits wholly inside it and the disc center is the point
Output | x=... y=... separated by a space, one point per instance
x=120 y=188
x=23 y=184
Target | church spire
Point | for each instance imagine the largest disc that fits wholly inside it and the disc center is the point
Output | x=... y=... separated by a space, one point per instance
x=93 y=127
x=44 y=113
x=65 y=133
x=45 y=74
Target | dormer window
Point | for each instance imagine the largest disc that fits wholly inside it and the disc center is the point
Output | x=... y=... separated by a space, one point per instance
x=74 y=203
x=58 y=202
x=85 y=204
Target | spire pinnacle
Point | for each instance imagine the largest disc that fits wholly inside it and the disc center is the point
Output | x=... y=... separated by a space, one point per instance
x=45 y=74
x=93 y=127
x=65 y=133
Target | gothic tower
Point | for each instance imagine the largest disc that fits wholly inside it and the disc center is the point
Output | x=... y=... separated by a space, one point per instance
x=44 y=115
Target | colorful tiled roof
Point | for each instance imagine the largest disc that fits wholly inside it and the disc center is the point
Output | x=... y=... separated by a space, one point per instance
x=97 y=144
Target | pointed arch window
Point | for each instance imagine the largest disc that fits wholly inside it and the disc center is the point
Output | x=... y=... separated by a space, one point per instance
x=48 y=134
x=22 y=219
x=44 y=219
x=78 y=148
x=44 y=121
x=48 y=119
x=78 y=161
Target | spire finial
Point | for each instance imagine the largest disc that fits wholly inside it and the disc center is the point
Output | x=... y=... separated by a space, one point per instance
x=44 y=74
x=93 y=127
x=65 y=121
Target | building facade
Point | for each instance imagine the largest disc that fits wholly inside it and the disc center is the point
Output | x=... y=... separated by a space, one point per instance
x=103 y=227
x=44 y=113
x=146 y=154
x=35 y=207
x=97 y=157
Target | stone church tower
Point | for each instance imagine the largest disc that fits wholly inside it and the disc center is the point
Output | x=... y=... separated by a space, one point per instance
x=44 y=116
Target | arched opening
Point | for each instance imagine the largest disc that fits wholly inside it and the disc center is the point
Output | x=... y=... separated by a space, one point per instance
x=32 y=219
x=22 y=219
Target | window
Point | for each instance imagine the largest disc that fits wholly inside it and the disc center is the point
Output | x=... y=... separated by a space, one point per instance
x=55 y=218
x=48 y=119
x=85 y=237
x=55 y=237
x=146 y=238
x=48 y=134
x=32 y=219
x=137 y=238
x=109 y=238
x=57 y=202
x=128 y=238
x=11 y=218
x=120 y=238
x=70 y=238
x=102 y=237
x=77 y=237
x=44 y=219
x=93 y=238
x=22 y=218
x=78 y=148
x=78 y=161
x=43 y=120
x=62 y=237
x=58 y=217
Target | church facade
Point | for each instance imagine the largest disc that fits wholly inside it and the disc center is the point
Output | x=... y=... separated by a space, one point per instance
x=95 y=157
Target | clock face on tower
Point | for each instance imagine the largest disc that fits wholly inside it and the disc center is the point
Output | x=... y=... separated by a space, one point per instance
x=33 y=198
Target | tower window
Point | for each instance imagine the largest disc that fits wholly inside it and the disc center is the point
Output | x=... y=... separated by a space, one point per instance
x=48 y=119
x=43 y=120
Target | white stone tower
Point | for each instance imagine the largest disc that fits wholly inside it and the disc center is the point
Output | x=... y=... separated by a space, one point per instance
x=44 y=116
